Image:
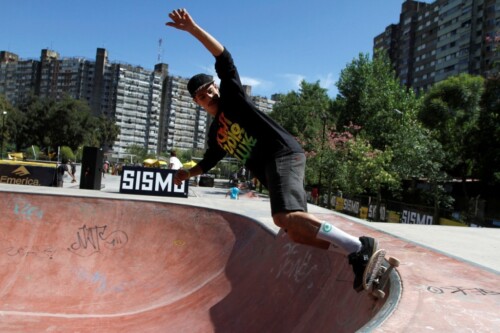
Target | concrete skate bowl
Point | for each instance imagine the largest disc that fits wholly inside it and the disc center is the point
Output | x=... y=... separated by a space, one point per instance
x=73 y=264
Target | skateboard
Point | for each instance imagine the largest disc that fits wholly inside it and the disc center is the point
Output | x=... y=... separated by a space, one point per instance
x=376 y=275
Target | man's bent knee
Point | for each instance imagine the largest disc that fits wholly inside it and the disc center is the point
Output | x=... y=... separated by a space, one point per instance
x=282 y=219
x=300 y=227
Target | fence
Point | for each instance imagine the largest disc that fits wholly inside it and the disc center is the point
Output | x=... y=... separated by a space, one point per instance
x=366 y=207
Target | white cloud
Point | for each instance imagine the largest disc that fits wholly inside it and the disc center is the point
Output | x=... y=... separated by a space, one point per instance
x=294 y=80
x=249 y=81
x=327 y=82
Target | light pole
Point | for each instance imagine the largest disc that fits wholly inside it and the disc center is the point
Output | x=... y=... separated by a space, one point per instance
x=324 y=118
x=4 y=113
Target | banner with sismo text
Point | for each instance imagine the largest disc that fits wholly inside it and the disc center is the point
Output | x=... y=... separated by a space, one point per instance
x=151 y=181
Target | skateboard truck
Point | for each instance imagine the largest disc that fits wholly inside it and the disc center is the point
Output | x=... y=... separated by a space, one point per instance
x=376 y=275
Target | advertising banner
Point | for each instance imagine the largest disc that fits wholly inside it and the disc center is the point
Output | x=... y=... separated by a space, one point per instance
x=27 y=173
x=411 y=216
x=151 y=181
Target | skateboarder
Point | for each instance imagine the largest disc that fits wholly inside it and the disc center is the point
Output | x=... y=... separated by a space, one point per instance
x=265 y=148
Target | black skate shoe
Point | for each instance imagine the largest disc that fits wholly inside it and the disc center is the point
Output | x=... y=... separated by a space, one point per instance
x=358 y=260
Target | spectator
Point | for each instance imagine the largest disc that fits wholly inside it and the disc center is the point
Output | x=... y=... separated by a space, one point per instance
x=174 y=163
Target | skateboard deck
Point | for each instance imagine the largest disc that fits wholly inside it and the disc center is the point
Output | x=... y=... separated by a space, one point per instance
x=376 y=275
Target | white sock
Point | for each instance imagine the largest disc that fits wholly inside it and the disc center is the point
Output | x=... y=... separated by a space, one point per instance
x=340 y=240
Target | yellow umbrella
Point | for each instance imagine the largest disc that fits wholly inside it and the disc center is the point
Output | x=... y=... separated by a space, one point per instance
x=189 y=165
x=150 y=161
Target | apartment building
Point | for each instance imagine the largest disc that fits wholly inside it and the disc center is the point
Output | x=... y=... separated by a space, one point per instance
x=436 y=40
x=264 y=104
x=17 y=78
x=186 y=123
x=137 y=108
x=131 y=95
x=152 y=109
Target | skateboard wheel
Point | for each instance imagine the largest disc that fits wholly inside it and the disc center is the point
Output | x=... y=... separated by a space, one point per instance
x=378 y=293
x=393 y=261
x=383 y=269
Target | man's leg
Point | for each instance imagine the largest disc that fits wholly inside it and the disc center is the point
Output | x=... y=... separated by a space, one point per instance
x=305 y=228
x=301 y=228
x=285 y=179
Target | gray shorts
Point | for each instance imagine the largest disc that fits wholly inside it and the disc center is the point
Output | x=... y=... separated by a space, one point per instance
x=285 y=182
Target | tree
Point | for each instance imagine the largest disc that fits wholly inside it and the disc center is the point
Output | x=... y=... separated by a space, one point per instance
x=50 y=124
x=66 y=153
x=107 y=132
x=369 y=96
x=138 y=153
x=69 y=122
x=451 y=110
x=351 y=165
x=14 y=125
x=307 y=115
x=302 y=113
x=36 y=113
x=487 y=147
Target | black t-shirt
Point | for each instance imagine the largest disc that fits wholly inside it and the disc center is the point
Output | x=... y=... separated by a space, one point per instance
x=240 y=129
x=60 y=171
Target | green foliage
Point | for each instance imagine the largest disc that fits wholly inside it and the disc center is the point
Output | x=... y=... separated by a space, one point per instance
x=487 y=145
x=32 y=152
x=66 y=154
x=371 y=96
x=49 y=124
x=304 y=113
x=139 y=153
x=107 y=132
x=451 y=109
x=307 y=115
x=350 y=164
x=68 y=123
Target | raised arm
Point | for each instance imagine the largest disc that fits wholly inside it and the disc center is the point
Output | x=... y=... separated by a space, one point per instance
x=183 y=21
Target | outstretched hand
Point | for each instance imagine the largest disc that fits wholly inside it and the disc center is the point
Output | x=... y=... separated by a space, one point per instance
x=181 y=20
x=180 y=176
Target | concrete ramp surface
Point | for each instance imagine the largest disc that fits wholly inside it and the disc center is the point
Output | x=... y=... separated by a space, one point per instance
x=72 y=264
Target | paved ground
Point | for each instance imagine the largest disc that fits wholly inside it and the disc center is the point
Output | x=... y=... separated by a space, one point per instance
x=203 y=270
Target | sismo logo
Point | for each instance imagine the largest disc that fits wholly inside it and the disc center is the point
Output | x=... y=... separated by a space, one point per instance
x=21 y=171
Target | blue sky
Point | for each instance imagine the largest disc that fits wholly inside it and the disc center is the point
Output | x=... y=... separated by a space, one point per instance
x=275 y=43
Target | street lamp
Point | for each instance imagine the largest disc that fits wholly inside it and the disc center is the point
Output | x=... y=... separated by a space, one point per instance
x=324 y=118
x=4 y=113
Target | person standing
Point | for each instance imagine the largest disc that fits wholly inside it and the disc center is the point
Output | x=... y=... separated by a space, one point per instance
x=105 y=168
x=62 y=169
x=174 y=163
x=72 y=166
x=265 y=148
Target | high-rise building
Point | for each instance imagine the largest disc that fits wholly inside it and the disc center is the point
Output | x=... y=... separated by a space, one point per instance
x=153 y=110
x=436 y=40
x=17 y=78
x=137 y=108
x=130 y=95
x=186 y=124
x=262 y=103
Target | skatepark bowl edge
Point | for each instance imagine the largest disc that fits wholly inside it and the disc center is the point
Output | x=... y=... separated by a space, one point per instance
x=81 y=264
x=93 y=261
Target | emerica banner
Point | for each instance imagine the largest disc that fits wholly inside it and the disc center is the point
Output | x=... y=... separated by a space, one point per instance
x=25 y=174
x=149 y=181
